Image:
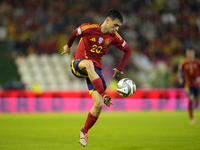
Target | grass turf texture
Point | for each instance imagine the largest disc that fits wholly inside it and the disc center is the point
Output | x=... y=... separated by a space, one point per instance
x=113 y=131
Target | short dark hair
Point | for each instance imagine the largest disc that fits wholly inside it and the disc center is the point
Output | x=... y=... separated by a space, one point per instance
x=114 y=14
x=190 y=49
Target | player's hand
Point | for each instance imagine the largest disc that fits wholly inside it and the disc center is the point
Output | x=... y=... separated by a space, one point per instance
x=66 y=49
x=180 y=81
x=198 y=80
x=116 y=72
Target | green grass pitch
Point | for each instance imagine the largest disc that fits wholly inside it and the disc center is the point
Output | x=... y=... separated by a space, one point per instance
x=113 y=131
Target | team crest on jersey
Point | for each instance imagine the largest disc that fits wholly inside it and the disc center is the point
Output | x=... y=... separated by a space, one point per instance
x=190 y=65
x=100 y=40
x=107 y=41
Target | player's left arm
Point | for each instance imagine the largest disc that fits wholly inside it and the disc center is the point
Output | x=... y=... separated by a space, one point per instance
x=119 y=70
x=198 y=78
x=123 y=46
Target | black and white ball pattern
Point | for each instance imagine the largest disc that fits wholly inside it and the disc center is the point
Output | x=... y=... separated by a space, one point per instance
x=126 y=87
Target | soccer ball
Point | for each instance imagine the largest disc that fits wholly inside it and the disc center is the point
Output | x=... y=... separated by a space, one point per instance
x=126 y=87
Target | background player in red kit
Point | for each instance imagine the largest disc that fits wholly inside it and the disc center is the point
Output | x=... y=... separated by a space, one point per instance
x=94 y=43
x=191 y=69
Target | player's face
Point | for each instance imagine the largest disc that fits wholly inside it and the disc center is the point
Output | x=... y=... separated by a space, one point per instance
x=190 y=54
x=113 y=25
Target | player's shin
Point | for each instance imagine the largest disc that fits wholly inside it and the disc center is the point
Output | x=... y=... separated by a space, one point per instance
x=98 y=85
x=196 y=103
x=90 y=121
x=190 y=109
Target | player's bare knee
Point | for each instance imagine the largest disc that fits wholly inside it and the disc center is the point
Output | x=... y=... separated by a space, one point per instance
x=99 y=105
x=89 y=65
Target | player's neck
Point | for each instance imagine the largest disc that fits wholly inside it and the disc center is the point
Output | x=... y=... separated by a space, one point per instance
x=190 y=59
x=103 y=28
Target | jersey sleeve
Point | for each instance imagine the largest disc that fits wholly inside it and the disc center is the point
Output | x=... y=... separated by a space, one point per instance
x=126 y=56
x=80 y=31
x=119 y=42
x=83 y=29
x=198 y=65
x=198 y=60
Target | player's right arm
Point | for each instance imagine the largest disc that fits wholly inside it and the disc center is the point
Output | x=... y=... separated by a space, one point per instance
x=77 y=32
x=67 y=47
x=179 y=73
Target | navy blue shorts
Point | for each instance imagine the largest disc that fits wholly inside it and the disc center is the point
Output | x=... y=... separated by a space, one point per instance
x=195 y=91
x=78 y=73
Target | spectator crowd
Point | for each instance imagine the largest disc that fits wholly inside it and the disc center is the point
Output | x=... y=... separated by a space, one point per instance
x=158 y=31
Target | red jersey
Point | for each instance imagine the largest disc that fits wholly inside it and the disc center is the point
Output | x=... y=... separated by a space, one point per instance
x=191 y=71
x=94 y=44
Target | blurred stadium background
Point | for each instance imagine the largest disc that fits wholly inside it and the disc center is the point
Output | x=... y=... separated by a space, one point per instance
x=34 y=77
x=33 y=32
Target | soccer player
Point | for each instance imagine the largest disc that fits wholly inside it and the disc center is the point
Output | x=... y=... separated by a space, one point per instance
x=94 y=43
x=190 y=67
